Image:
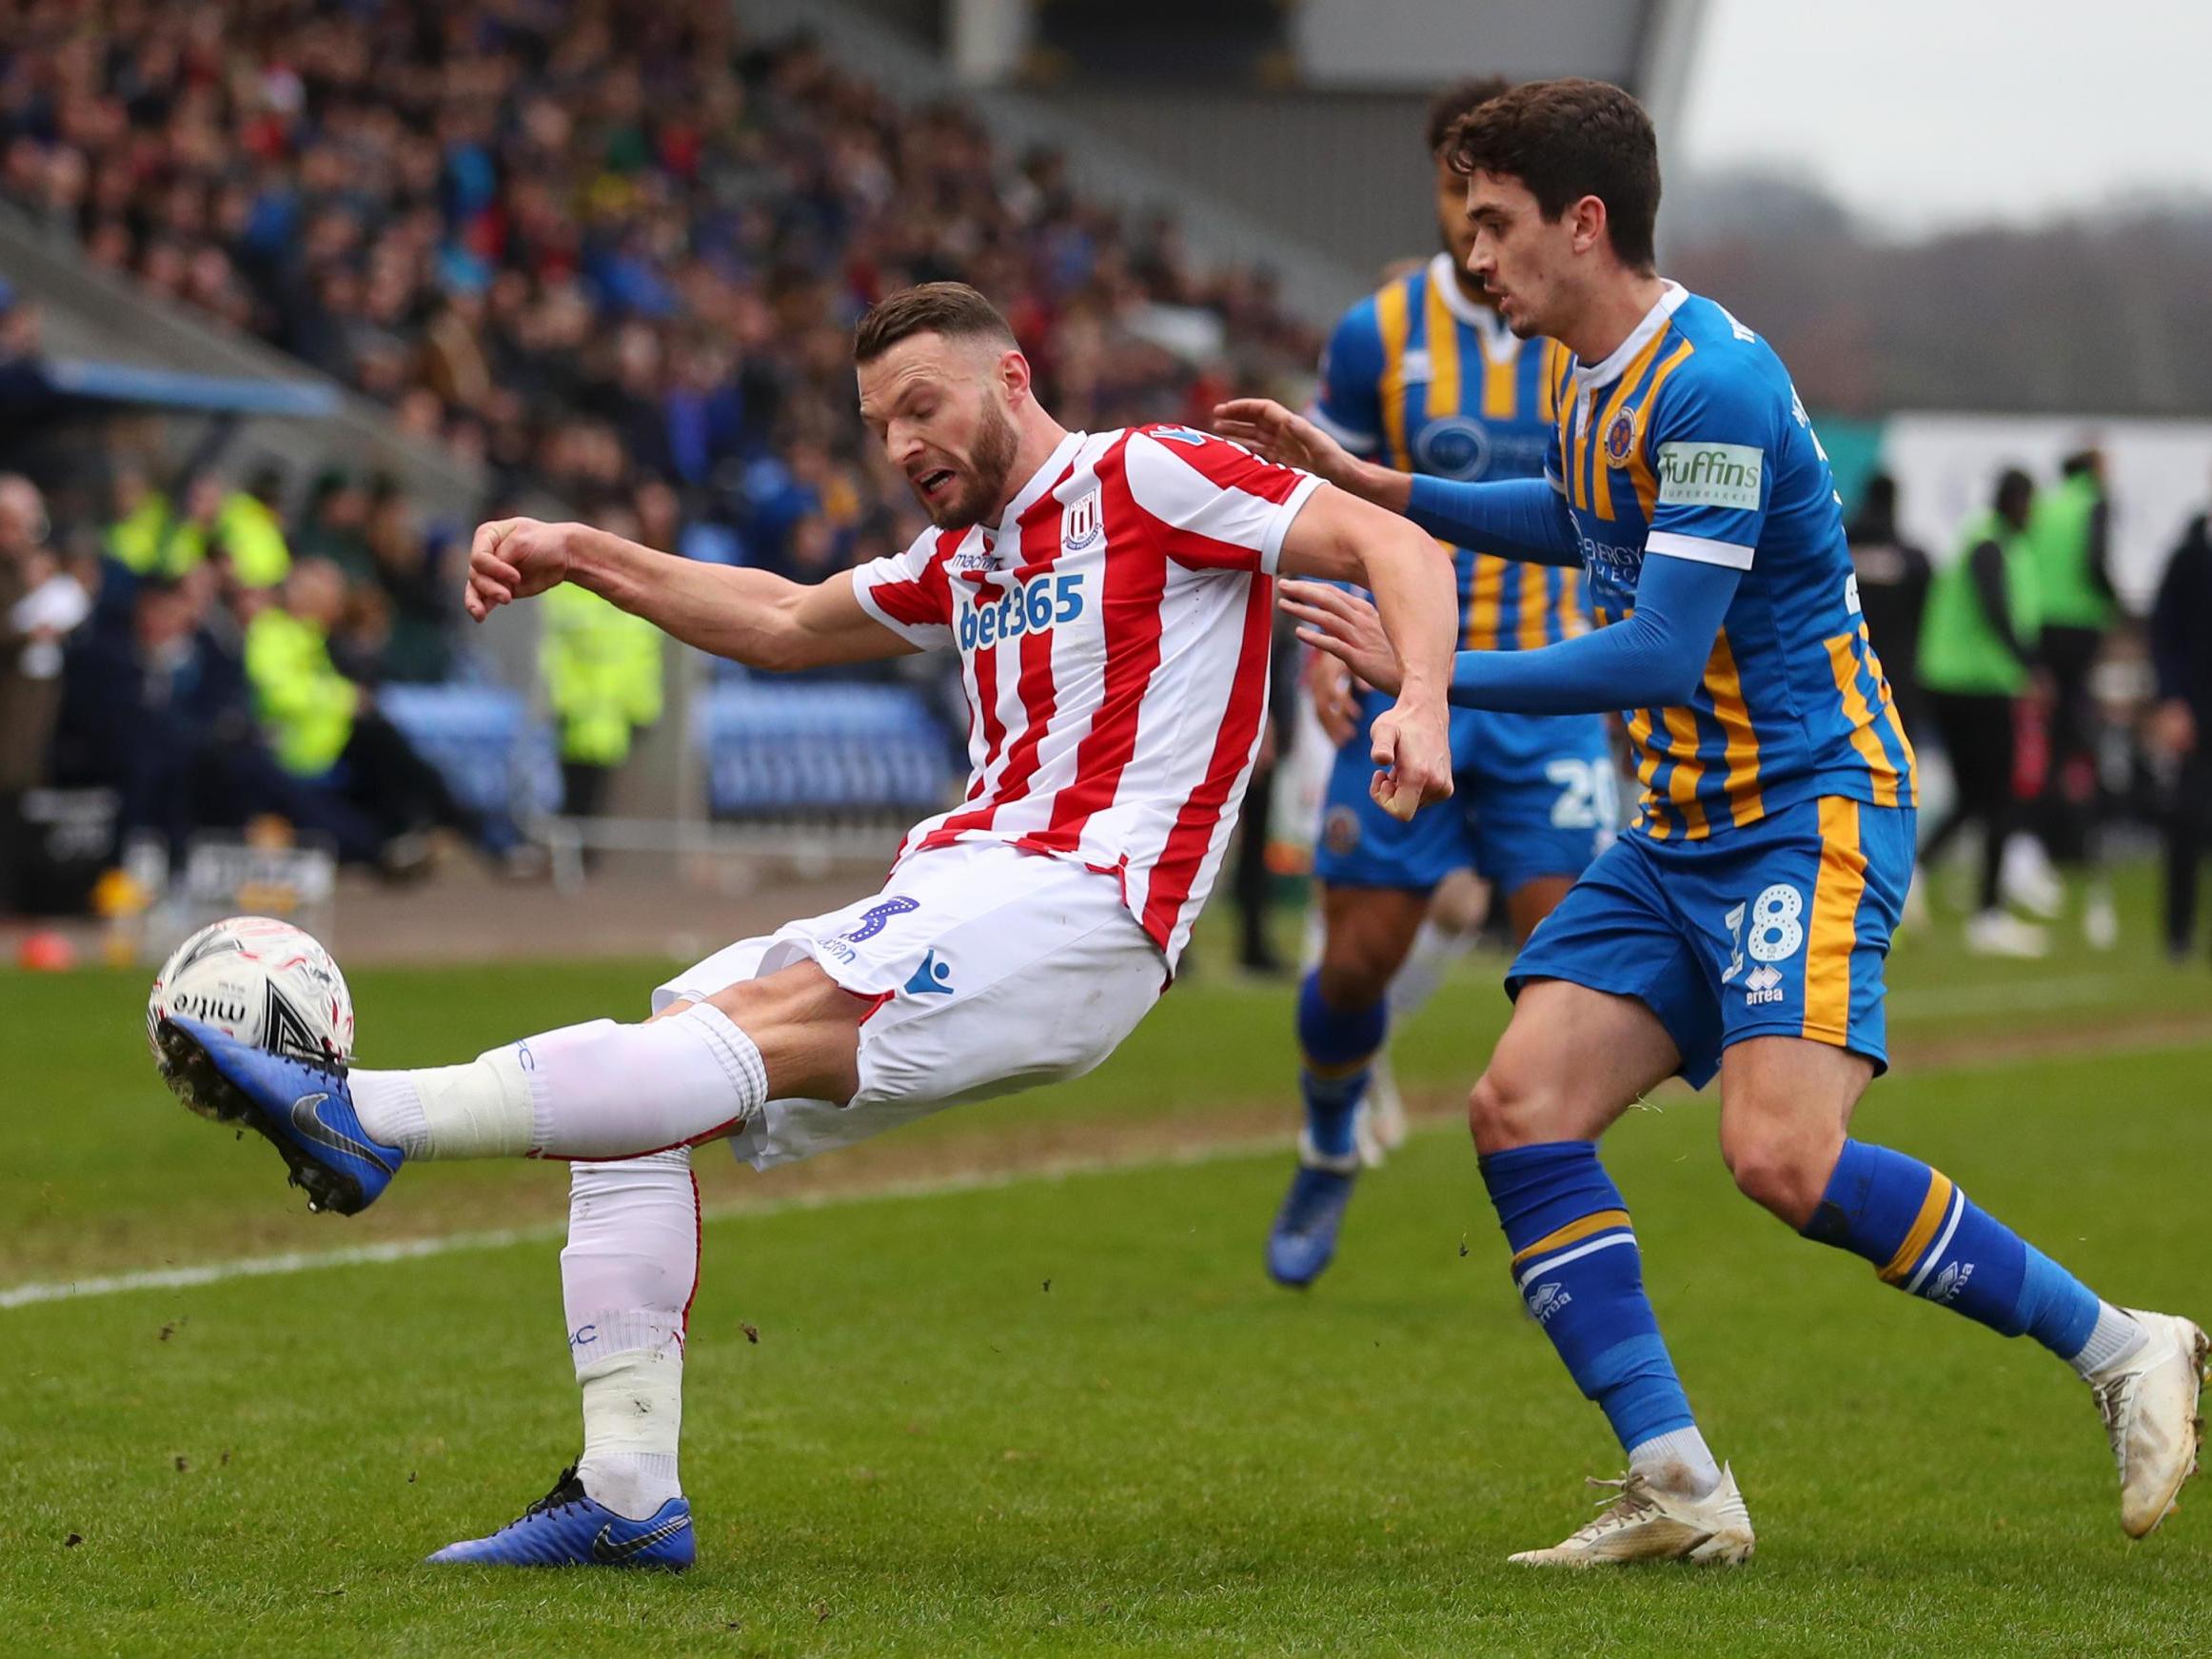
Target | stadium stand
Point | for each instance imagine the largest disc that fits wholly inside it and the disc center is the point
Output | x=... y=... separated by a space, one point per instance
x=614 y=254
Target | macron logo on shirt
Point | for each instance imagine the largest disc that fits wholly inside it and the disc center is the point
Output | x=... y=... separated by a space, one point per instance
x=1711 y=475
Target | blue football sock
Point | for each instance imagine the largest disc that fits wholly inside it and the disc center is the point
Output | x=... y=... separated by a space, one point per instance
x=1577 y=1266
x=1339 y=1046
x=1925 y=1236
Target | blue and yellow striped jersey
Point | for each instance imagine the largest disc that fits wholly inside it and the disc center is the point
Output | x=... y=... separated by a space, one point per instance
x=1689 y=441
x=1420 y=376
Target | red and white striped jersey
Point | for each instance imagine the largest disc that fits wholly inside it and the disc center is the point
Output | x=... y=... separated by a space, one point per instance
x=1114 y=637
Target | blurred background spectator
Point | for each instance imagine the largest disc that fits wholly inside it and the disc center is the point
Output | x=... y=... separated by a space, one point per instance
x=41 y=604
x=1893 y=578
x=1977 y=648
x=2181 y=631
x=610 y=250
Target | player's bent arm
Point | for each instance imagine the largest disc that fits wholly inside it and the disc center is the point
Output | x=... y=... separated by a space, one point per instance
x=1337 y=537
x=749 y=616
x=1652 y=659
x=1519 y=517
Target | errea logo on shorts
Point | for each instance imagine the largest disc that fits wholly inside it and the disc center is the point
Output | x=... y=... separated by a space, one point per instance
x=1711 y=475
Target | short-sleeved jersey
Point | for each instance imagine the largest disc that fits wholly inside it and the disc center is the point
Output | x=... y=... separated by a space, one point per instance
x=1114 y=631
x=1419 y=376
x=1690 y=440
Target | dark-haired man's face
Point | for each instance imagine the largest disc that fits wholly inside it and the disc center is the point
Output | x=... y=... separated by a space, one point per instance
x=939 y=408
x=1451 y=221
x=1521 y=258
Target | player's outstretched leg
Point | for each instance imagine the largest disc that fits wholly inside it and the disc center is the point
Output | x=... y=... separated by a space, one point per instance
x=1925 y=1236
x=1337 y=1046
x=569 y=1093
x=1571 y=1061
x=626 y=1278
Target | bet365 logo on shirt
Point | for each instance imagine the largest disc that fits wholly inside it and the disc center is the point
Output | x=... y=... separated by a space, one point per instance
x=1711 y=475
x=1027 y=607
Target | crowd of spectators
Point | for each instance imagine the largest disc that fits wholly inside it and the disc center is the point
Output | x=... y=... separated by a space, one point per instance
x=612 y=250
x=207 y=659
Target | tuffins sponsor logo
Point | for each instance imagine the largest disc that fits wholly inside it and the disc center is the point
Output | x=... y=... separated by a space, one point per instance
x=1947 y=1284
x=1547 y=1299
x=1621 y=438
x=1763 y=984
x=1711 y=475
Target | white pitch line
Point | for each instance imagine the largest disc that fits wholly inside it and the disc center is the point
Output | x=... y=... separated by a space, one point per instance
x=1948 y=1001
x=450 y=1244
x=296 y=1261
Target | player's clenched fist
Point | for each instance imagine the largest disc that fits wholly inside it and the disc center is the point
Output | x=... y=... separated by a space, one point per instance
x=515 y=559
x=1413 y=748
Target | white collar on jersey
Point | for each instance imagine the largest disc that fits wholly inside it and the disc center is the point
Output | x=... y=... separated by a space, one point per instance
x=1499 y=342
x=1596 y=374
x=1040 y=481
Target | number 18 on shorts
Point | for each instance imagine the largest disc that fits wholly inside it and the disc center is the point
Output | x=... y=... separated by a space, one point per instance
x=1779 y=928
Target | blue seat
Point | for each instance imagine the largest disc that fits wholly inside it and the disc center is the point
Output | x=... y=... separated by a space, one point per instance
x=492 y=754
x=819 y=749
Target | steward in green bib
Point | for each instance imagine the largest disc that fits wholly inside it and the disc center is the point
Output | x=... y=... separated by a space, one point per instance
x=326 y=730
x=2067 y=538
x=603 y=679
x=1979 y=634
x=1977 y=652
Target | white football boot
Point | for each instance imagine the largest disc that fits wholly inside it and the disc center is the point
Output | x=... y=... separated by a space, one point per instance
x=2148 y=1402
x=1649 y=1522
x=1999 y=933
x=1381 y=1129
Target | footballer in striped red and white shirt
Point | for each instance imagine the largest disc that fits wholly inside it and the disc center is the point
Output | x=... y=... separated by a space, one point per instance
x=1112 y=624
x=1109 y=596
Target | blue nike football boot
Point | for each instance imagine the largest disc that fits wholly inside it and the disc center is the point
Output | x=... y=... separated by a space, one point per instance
x=568 y=1527
x=304 y=1111
x=1303 y=1241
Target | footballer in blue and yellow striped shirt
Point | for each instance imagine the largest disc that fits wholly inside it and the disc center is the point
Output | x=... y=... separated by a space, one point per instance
x=1424 y=377
x=1744 y=927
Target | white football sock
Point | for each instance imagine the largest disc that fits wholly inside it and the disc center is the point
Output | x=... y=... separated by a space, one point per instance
x=627 y=1281
x=599 y=1090
x=633 y=1415
x=1434 y=950
x=1677 y=1452
x=2114 y=1338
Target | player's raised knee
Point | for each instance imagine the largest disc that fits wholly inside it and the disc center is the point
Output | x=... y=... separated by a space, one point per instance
x=1778 y=1166
x=1354 y=977
x=1509 y=1108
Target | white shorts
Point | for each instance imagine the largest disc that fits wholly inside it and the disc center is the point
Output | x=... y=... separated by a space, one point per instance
x=993 y=969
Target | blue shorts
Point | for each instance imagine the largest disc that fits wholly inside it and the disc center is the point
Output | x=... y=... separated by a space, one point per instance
x=1534 y=796
x=1778 y=929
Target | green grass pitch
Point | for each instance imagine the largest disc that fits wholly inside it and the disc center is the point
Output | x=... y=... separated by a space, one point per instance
x=1067 y=1414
